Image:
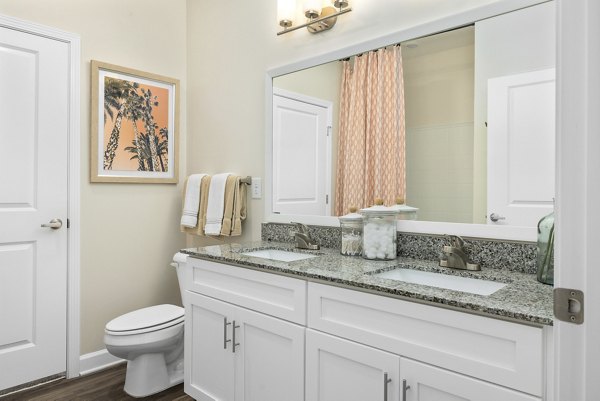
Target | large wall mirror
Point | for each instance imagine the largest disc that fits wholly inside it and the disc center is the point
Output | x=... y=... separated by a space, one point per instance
x=479 y=129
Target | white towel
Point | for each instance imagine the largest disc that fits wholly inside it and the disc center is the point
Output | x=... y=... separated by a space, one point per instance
x=191 y=204
x=216 y=204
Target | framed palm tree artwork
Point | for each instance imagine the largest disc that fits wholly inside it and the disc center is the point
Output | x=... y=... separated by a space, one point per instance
x=134 y=125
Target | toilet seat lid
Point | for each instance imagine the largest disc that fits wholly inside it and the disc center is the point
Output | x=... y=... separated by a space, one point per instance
x=147 y=318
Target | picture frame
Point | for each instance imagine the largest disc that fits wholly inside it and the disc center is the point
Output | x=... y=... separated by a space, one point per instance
x=134 y=126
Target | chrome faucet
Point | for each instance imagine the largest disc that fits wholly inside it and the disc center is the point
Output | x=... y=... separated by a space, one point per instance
x=455 y=256
x=302 y=237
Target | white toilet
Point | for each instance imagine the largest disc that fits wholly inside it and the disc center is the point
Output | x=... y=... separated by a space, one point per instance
x=151 y=340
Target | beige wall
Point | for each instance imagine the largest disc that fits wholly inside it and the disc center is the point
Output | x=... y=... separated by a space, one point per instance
x=438 y=87
x=129 y=233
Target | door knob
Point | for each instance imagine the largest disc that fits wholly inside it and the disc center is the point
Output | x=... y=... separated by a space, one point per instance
x=54 y=224
x=495 y=217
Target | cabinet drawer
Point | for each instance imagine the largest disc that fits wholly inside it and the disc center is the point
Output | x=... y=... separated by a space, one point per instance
x=278 y=296
x=501 y=352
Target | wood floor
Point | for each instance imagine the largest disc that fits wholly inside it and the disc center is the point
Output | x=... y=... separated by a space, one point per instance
x=106 y=385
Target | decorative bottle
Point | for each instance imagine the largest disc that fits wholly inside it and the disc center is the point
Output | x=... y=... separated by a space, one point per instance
x=545 y=250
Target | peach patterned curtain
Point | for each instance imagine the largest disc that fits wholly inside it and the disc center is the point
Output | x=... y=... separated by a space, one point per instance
x=371 y=161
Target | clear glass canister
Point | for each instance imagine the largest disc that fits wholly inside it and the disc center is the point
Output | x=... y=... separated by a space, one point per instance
x=352 y=231
x=545 y=250
x=379 y=232
x=405 y=212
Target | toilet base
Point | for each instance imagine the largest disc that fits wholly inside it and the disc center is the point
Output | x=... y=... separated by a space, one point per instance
x=149 y=374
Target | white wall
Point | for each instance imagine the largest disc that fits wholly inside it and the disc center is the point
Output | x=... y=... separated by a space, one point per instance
x=505 y=45
x=129 y=233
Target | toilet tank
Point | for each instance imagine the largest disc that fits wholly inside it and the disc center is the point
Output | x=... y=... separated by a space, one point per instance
x=179 y=263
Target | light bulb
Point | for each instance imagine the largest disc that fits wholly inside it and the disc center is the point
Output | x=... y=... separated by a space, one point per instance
x=312 y=8
x=286 y=12
x=339 y=3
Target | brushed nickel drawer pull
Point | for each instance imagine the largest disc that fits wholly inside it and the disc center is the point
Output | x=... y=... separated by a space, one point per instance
x=386 y=381
x=225 y=340
x=234 y=343
x=405 y=388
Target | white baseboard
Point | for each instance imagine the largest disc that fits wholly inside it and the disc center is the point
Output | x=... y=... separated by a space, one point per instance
x=94 y=361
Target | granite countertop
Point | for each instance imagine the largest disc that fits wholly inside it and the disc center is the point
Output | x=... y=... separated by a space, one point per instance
x=524 y=299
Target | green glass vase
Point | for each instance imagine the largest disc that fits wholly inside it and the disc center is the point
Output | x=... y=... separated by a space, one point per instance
x=545 y=250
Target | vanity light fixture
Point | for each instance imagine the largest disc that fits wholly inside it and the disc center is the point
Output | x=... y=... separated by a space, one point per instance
x=321 y=14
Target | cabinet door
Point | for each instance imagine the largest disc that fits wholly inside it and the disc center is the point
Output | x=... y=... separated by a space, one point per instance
x=269 y=360
x=209 y=364
x=342 y=370
x=429 y=383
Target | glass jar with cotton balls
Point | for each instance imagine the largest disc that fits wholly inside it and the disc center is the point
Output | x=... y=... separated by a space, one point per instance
x=379 y=232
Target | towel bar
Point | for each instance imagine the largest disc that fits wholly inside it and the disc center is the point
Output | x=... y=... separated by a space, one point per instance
x=247 y=180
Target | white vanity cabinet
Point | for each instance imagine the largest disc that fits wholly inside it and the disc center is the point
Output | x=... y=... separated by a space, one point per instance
x=302 y=340
x=233 y=353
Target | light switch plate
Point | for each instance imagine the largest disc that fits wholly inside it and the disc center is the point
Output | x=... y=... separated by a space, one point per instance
x=256 y=188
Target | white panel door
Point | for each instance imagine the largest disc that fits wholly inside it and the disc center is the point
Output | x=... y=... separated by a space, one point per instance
x=269 y=358
x=342 y=370
x=301 y=156
x=209 y=363
x=421 y=382
x=34 y=85
x=521 y=143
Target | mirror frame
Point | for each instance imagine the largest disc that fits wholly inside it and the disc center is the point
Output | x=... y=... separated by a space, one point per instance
x=504 y=232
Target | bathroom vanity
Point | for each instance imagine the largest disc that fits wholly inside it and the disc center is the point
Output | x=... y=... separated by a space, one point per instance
x=330 y=327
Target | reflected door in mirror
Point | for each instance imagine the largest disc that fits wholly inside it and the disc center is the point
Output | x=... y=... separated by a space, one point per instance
x=301 y=154
x=521 y=127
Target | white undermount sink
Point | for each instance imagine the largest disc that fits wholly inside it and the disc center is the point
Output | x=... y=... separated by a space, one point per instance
x=456 y=283
x=278 y=254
